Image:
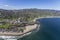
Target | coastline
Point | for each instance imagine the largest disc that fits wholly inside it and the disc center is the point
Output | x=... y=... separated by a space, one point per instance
x=28 y=28
x=22 y=35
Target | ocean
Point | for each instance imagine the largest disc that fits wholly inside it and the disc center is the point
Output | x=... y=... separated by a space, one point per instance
x=49 y=30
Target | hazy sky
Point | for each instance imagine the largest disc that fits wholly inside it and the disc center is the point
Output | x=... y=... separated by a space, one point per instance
x=20 y=4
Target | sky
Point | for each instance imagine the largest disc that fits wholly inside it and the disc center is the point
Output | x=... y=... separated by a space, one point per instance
x=24 y=4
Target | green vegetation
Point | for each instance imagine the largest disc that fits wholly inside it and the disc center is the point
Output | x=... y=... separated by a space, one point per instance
x=26 y=14
x=7 y=25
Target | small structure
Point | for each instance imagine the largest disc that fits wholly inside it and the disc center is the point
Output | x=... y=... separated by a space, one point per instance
x=18 y=20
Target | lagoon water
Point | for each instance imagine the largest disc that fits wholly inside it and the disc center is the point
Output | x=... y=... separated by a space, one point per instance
x=49 y=30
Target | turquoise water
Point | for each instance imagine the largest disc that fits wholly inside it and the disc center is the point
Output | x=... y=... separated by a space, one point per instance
x=49 y=30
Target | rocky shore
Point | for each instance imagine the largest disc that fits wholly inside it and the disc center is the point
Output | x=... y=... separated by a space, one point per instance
x=28 y=28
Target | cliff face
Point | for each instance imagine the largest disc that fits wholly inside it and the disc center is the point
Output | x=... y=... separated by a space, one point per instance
x=31 y=12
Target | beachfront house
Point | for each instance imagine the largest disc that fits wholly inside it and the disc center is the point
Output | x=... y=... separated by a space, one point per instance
x=15 y=21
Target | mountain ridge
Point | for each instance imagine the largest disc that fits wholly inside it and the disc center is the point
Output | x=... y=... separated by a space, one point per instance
x=31 y=12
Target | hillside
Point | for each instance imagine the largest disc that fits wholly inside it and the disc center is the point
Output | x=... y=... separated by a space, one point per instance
x=28 y=12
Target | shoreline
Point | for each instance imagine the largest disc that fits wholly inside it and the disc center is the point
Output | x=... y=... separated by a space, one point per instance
x=33 y=28
x=28 y=28
x=23 y=35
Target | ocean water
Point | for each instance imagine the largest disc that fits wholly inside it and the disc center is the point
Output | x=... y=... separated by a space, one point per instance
x=49 y=30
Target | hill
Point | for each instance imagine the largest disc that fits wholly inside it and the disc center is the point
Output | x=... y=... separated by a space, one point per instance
x=28 y=13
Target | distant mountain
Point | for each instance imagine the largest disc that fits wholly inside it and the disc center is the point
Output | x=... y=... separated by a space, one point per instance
x=33 y=12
